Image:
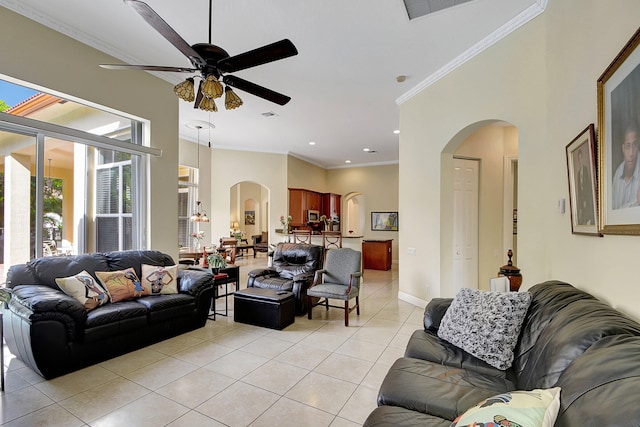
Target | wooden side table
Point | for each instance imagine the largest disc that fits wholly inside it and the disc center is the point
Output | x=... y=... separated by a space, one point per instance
x=224 y=277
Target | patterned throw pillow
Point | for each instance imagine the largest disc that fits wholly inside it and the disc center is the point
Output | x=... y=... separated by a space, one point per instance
x=535 y=408
x=121 y=285
x=486 y=324
x=157 y=280
x=85 y=289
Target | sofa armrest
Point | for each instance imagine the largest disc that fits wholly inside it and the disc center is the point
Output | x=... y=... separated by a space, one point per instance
x=434 y=312
x=317 y=277
x=34 y=303
x=194 y=282
x=304 y=277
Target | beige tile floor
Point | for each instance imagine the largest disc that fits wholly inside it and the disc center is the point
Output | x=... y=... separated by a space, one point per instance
x=313 y=373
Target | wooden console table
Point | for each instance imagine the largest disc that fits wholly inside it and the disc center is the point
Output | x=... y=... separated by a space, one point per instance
x=376 y=254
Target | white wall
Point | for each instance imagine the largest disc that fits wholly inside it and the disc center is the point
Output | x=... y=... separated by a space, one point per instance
x=542 y=79
x=232 y=167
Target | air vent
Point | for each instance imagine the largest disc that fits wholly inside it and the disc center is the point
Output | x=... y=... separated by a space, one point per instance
x=418 y=8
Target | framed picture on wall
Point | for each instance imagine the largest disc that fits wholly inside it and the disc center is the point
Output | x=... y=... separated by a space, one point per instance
x=618 y=130
x=387 y=221
x=249 y=217
x=581 y=169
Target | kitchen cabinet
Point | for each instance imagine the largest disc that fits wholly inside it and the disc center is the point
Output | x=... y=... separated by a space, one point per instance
x=331 y=205
x=298 y=206
x=302 y=200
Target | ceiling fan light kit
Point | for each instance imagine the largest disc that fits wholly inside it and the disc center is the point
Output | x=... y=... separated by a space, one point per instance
x=212 y=62
x=208 y=104
x=211 y=87
x=184 y=90
x=231 y=99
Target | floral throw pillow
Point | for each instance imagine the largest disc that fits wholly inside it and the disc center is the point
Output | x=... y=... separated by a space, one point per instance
x=486 y=324
x=85 y=289
x=535 y=408
x=121 y=285
x=158 y=280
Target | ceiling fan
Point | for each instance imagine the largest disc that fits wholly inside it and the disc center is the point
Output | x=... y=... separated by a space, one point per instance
x=213 y=63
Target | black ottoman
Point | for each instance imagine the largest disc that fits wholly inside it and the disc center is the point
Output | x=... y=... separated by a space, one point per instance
x=264 y=307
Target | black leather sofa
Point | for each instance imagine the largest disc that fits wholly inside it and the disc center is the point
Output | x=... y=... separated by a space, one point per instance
x=292 y=269
x=569 y=339
x=54 y=334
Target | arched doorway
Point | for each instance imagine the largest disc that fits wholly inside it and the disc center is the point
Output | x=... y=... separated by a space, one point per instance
x=249 y=209
x=494 y=145
x=354 y=216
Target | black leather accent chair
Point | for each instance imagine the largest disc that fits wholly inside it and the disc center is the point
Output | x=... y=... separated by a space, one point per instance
x=293 y=268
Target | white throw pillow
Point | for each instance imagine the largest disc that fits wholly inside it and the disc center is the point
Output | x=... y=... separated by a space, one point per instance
x=85 y=289
x=157 y=280
x=535 y=408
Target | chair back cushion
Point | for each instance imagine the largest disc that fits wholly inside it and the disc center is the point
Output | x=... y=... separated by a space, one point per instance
x=340 y=264
x=290 y=259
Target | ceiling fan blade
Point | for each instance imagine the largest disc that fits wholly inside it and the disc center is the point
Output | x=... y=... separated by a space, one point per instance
x=148 y=68
x=262 y=55
x=256 y=90
x=166 y=31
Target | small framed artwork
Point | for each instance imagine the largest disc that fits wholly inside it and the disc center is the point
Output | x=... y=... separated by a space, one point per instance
x=581 y=167
x=384 y=221
x=249 y=217
x=618 y=145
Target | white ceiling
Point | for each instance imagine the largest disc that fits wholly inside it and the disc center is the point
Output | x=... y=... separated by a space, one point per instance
x=342 y=83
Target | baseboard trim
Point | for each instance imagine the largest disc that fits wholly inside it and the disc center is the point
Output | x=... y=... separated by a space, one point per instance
x=412 y=300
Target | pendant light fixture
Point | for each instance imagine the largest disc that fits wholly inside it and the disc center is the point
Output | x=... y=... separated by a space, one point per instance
x=200 y=215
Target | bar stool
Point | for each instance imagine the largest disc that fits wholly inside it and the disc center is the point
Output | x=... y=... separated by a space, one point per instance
x=301 y=236
x=332 y=239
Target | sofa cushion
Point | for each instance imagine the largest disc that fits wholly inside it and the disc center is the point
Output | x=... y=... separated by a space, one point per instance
x=121 y=260
x=45 y=270
x=158 y=280
x=426 y=345
x=535 y=408
x=486 y=324
x=435 y=389
x=384 y=416
x=567 y=336
x=168 y=307
x=547 y=299
x=600 y=388
x=121 y=285
x=85 y=289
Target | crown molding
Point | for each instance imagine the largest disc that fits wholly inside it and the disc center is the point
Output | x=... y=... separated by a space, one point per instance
x=497 y=35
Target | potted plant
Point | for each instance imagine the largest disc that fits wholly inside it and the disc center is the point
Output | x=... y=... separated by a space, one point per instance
x=216 y=261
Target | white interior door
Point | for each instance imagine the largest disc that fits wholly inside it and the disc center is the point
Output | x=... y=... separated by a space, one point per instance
x=465 y=225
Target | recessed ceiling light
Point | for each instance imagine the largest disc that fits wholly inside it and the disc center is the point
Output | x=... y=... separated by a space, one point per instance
x=397 y=131
x=401 y=79
x=312 y=143
x=347 y=161
x=268 y=114
x=366 y=149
